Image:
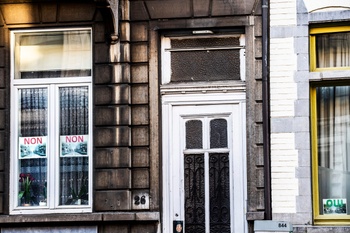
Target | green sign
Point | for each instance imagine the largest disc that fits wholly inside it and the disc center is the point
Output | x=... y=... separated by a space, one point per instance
x=334 y=206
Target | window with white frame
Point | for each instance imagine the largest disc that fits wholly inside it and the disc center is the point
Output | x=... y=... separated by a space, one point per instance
x=51 y=142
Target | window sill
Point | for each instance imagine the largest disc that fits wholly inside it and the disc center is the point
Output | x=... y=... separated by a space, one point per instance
x=91 y=217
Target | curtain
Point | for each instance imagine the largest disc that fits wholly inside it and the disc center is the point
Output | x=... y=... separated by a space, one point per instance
x=33 y=125
x=53 y=54
x=333 y=50
x=333 y=124
x=74 y=120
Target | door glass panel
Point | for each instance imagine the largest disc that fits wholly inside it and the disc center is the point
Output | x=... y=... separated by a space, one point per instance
x=194 y=193
x=218 y=133
x=194 y=135
x=219 y=185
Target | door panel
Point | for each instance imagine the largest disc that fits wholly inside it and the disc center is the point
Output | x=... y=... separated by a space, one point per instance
x=204 y=163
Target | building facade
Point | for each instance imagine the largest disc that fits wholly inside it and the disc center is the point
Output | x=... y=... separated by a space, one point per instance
x=308 y=82
x=133 y=116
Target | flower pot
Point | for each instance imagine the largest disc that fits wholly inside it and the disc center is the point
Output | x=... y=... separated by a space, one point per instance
x=27 y=204
x=42 y=203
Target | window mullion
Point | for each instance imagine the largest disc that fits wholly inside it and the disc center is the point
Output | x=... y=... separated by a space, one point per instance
x=52 y=158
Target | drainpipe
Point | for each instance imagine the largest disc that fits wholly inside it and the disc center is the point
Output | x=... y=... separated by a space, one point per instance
x=266 y=107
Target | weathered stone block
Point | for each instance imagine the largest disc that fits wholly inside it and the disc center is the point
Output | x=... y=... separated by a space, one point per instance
x=113 y=179
x=2 y=160
x=76 y=12
x=258 y=70
x=2 y=77
x=258 y=92
x=18 y=13
x=112 y=136
x=1 y=203
x=258 y=47
x=140 y=136
x=140 y=157
x=120 y=52
x=2 y=98
x=139 y=11
x=118 y=94
x=99 y=32
x=140 y=178
x=125 y=10
x=112 y=115
x=48 y=13
x=101 y=53
x=169 y=9
x=2 y=119
x=115 y=228
x=2 y=36
x=139 y=94
x=2 y=55
x=139 y=52
x=125 y=31
x=109 y=74
x=139 y=73
x=142 y=228
x=259 y=177
x=258 y=133
x=139 y=32
x=112 y=200
x=2 y=181
x=112 y=157
x=257 y=26
x=2 y=140
x=258 y=112
x=140 y=115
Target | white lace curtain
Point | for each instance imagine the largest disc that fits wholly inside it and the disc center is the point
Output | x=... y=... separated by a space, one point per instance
x=74 y=119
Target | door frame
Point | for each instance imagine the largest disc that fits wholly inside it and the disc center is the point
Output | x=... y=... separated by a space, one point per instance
x=168 y=104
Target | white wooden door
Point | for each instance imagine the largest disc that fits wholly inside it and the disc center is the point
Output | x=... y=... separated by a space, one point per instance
x=204 y=187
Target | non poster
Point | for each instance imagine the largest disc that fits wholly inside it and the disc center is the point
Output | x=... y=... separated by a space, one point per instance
x=334 y=206
x=32 y=147
x=73 y=145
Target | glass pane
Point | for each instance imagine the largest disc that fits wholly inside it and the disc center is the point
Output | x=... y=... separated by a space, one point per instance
x=333 y=50
x=32 y=146
x=194 y=193
x=74 y=160
x=218 y=133
x=333 y=121
x=194 y=135
x=53 y=54
x=219 y=185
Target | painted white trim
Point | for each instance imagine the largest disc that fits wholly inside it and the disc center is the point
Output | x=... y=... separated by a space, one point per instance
x=172 y=107
x=166 y=54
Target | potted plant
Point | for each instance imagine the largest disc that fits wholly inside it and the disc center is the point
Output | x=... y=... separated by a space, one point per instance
x=77 y=196
x=25 y=193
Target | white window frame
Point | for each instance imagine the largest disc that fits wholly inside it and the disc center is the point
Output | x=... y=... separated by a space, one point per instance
x=166 y=53
x=52 y=85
